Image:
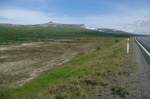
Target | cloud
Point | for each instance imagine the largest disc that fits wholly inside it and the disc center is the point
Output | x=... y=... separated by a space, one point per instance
x=125 y=19
x=21 y=16
x=129 y=20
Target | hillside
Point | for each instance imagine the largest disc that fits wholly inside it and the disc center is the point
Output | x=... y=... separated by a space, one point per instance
x=28 y=33
x=115 y=32
x=61 y=61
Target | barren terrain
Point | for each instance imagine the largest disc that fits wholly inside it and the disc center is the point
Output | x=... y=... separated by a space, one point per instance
x=22 y=62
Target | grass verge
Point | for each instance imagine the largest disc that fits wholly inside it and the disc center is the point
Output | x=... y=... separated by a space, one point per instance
x=78 y=77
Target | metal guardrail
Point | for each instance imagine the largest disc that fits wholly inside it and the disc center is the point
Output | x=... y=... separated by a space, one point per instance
x=145 y=52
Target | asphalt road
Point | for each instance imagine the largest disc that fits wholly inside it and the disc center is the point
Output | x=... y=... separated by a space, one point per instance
x=145 y=42
x=142 y=61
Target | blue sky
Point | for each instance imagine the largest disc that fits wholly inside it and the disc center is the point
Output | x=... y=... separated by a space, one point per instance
x=93 y=13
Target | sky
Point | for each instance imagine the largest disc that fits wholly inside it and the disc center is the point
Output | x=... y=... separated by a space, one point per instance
x=118 y=14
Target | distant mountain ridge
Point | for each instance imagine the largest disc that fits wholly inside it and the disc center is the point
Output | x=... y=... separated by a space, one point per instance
x=53 y=23
x=50 y=30
x=48 y=24
x=114 y=31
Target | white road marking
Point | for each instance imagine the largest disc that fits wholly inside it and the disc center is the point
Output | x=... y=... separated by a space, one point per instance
x=148 y=53
x=128 y=45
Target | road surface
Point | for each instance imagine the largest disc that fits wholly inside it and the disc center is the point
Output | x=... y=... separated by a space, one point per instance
x=142 y=60
x=144 y=44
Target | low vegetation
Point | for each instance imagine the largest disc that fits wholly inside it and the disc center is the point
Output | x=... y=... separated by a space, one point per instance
x=62 y=62
x=30 y=33
x=87 y=75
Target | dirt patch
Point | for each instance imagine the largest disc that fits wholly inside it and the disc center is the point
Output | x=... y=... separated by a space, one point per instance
x=30 y=59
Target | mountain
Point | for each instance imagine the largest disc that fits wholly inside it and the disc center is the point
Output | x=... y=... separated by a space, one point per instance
x=114 y=31
x=48 y=24
x=53 y=24
x=28 y=33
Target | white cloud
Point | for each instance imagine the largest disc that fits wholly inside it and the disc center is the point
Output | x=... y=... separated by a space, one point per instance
x=125 y=19
x=21 y=16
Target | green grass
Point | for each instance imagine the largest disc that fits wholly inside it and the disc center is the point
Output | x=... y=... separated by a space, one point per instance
x=16 y=34
x=107 y=58
x=95 y=64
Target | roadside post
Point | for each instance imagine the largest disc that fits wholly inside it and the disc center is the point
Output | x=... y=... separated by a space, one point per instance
x=128 y=46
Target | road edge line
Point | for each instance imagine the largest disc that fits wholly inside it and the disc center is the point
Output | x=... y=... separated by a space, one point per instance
x=147 y=52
